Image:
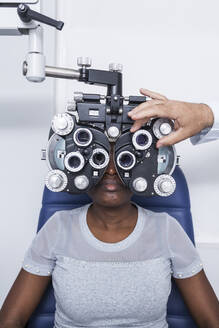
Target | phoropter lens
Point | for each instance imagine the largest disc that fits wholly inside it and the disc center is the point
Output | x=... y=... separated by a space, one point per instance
x=126 y=160
x=82 y=137
x=99 y=158
x=74 y=161
x=142 y=139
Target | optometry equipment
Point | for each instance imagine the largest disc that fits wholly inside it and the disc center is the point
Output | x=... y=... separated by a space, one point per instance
x=18 y=18
x=79 y=141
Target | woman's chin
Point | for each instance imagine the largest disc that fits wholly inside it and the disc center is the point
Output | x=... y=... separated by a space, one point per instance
x=110 y=198
x=110 y=195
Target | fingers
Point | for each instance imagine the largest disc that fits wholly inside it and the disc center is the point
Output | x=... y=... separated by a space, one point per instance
x=145 y=106
x=175 y=137
x=137 y=125
x=155 y=111
x=176 y=125
x=152 y=94
x=147 y=111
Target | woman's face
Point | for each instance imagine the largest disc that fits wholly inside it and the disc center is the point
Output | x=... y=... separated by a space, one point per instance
x=110 y=191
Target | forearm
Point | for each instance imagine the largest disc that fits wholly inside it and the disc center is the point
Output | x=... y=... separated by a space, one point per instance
x=209 y=325
x=10 y=324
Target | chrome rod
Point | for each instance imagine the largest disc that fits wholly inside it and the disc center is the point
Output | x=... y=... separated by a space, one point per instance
x=62 y=73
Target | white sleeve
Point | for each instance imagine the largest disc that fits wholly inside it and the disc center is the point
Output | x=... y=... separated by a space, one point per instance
x=185 y=260
x=211 y=133
x=40 y=258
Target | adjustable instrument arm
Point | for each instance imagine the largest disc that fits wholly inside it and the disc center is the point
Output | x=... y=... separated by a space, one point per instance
x=19 y=18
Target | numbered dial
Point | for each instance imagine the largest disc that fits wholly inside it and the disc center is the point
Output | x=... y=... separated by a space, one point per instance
x=62 y=124
x=164 y=185
x=56 y=180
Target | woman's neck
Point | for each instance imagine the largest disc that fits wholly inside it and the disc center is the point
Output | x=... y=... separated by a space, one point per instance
x=112 y=218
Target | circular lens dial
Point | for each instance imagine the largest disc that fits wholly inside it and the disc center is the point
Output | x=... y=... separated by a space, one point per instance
x=99 y=158
x=83 y=137
x=142 y=139
x=56 y=180
x=126 y=160
x=74 y=161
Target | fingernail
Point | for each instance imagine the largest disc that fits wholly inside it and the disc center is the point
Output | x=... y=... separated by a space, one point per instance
x=159 y=145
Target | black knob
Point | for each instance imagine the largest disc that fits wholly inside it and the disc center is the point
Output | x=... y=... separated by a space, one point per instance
x=26 y=15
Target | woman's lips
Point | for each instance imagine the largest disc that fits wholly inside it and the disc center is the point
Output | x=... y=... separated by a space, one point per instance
x=111 y=185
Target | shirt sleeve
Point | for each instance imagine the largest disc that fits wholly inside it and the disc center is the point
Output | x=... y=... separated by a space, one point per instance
x=185 y=260
x=211 y=133
x=40 y=257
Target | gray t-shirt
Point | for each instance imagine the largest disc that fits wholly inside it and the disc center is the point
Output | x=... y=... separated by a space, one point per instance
x=123 y=284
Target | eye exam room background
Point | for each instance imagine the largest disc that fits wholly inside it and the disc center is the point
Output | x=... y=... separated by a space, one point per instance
x=168 y=46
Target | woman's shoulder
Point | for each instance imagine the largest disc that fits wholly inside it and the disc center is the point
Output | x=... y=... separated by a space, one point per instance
x=154 y=215
x=162 y=219
x=65 y=217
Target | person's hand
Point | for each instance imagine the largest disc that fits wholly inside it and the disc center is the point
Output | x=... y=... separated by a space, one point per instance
x=189 y=118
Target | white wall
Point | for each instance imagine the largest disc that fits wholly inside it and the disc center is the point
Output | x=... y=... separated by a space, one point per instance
x=168 y=46
x=26 y=112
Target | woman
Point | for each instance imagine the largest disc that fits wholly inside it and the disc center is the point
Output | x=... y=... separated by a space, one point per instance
x=111 y=264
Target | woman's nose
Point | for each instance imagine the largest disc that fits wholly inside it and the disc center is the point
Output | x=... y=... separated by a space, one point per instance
x=111 y=169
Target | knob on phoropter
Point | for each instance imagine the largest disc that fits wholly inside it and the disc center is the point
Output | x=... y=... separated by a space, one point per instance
x=113 y=132
x=113 y=67
x=164 y=185
x=81 y=182
x=56 y=180
x=162 y=127
x=84 y=61
x=78 y=96
x=62 y=124
x=140 y=184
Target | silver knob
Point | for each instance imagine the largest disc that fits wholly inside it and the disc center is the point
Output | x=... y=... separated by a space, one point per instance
x=22 y=7
x=81 y=182
x=140 y=184
x=84 y=61
x=56 y=180
x=62 y=124
x=165 y=129
x=113 y=67
x=78 y=96
x=164 y=185
x=71 y=106
x=113 y=132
